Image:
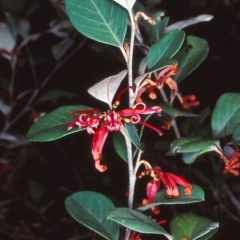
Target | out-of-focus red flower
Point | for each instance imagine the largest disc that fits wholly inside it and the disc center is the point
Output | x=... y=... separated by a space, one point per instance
x=188 y=101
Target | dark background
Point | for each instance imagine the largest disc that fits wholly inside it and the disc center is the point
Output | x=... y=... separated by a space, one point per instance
x=66 y=166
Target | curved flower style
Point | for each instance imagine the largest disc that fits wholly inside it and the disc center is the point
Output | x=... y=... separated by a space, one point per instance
x=163 y=77
x=101 y=123
x=169 y=180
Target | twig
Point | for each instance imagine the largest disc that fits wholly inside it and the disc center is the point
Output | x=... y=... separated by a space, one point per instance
x=37 y=91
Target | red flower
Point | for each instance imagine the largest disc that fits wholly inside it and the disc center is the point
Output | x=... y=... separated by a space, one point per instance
x=169 y=180
x=101 y=123
x=164 y=76
x=231 y=157
x=188 y=101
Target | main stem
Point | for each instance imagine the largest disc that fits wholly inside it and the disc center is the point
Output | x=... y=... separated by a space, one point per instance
x=130 y=59
x=132 y=177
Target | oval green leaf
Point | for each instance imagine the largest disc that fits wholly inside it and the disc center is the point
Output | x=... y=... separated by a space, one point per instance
x=226 y=115
x=91 y=210
x=157 y=30
x=166 y=48
x=192 y=227
x=136 y=221
x=101 y=20
x=185 y=145
x=53 y=125
x=120 y=145
x=161 y=198
x=132 y=132
x=191 y=55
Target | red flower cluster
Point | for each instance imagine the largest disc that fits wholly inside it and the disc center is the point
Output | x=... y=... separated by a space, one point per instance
x=169 y=180
x=101 y=123
x=164 y=76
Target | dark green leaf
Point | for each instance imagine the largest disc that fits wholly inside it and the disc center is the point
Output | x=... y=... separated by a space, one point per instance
x=193 y=147
x=132 y=132
x=162 y=63
x=120 y=145
x=91 y=210
x=236 y=135
x=60 y=49
x=13 y=6
x=185 y=145
x=161 y=198
x=157 y=30
x=174 y=112
x=191 y=127
x=226 y=115
x=54 y=94
x=192 y=227
x=11 y=22
x=190 y=157
x=192 y=54
x=138 y=7
x=102 y=20
x=161 y=145
x=54 y=125
x=36 y=190
x=201 y=176
x=165 y=48
x=136 y=221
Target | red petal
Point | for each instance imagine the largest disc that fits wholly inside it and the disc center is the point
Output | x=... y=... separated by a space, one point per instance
x=152 y=189
x=98 y=141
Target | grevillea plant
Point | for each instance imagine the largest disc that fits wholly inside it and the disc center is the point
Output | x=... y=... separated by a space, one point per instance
x=152 y=91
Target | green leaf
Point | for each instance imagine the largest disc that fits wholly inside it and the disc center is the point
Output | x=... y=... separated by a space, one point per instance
x=157 y=30
x=191 y=55
x=226 y=115
x=193 y=147
x=36 y=190
x=166 y=48
x=120 y=145
x=236 y=135
x=190 y=157
x=192 y=227
x=162 y=63
x=174 y=112
x=91 y=210
x=106 y=89
x=132 y=132
x=201 y=176
x=185 y=145
x=54 y=125
x=161 y=198
x=101 y=20
x=11 y=22
x=13 y=6
x=53 y=95
x=191 y=127
x=136 y=221
x=128 y=4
